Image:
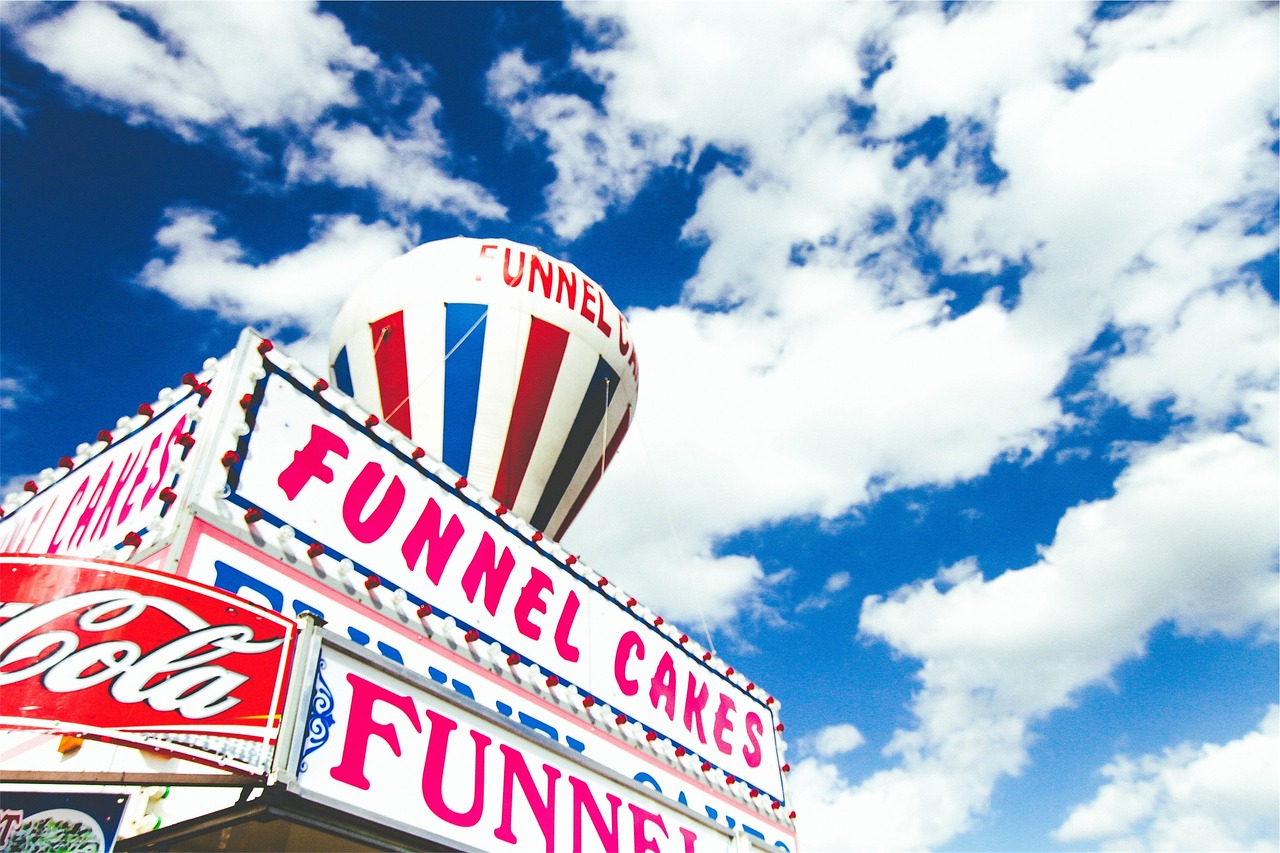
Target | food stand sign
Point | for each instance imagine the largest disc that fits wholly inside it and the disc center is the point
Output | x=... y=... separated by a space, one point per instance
x=395 y=747
x=309 y=466
x=220 y=559
x=118 y=486
x=128 y=655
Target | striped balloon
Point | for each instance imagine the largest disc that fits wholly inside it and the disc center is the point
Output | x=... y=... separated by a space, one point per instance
x=513 y=368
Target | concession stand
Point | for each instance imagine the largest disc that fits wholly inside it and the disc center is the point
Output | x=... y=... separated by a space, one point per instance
x=273 y=611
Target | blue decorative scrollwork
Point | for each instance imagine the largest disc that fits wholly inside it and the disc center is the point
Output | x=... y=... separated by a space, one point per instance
x=320 y=720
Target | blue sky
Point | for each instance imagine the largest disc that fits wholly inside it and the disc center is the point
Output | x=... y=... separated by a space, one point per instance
x=958 y=331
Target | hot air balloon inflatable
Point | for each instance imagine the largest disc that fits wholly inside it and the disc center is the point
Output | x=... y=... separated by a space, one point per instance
x=512 y=367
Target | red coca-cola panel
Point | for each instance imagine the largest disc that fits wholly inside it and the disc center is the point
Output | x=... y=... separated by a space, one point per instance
x=124 y=653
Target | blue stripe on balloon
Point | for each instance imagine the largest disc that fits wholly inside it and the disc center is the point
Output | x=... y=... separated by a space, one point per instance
x=342 y=373
x=464 y=352
x=578 y=443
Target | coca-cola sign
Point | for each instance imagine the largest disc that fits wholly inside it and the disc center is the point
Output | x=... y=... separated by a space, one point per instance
x=132 y=655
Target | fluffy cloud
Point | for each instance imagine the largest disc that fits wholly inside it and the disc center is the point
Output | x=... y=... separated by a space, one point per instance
x=304 y=289
x=1189 y=360
x=11 y=113
x=196 y=68
x=1120 y=200
x=1188 y=538
x=1206 y=797
x=1185 y=538
x=834 y=740
x=751 y=80
x=600 y=164
x=965 y=65
x=824 y=336
x=248 y=73
x=834 y=584
x=16 y=388
x=406 y=164
x=405 y=168
x=899 y=809
x=729 y=400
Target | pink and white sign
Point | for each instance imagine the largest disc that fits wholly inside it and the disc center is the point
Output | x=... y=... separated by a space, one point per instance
x=97 y=503
x=217 y=558
x=400 y=751
x=310 y=467
x=126 y=654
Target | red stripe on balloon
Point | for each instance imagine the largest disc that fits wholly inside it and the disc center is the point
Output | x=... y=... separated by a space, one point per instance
x=543 y=354
x=596 y=471
x=392 y=365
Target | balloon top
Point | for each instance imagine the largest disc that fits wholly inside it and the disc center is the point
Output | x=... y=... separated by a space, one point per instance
x=512 y=367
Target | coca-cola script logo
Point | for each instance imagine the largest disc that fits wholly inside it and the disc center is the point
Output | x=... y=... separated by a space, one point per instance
x=104 y=646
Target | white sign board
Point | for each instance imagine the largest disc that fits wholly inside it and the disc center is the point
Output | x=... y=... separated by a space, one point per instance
x=400 y=749
x=219 y=559
x=120 y=490
x=310 y=466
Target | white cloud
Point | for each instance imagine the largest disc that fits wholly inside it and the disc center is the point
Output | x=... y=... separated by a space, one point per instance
x=405 y=169
x=898 y=809
x=1188 y=538
x=837 y=582
x=600 y=164
x=680 y=77
x=201 y=66
x=1217 y=357
x=740 y=80
x=963 y=65
x=11 y=113
x=18 y=386
x=1113 y=177
x=1206 y=797
x=833 y=740
x=834 y=584
x=243 y=73
x=406 y=165
x=12 y=392
x=704 y=376
x=201 y=270
x=845 y=371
